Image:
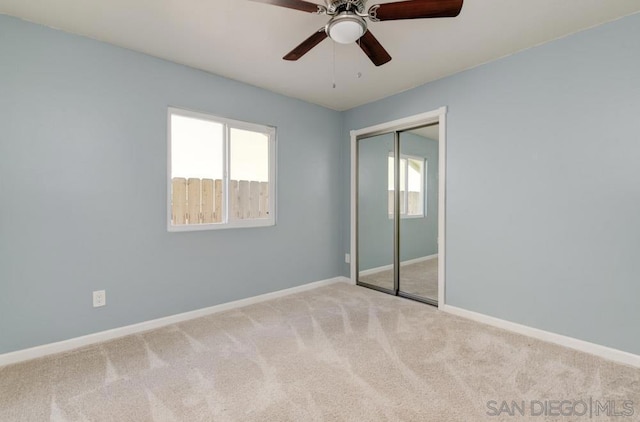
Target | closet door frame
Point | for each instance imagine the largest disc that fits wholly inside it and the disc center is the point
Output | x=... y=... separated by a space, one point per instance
x=396 y=126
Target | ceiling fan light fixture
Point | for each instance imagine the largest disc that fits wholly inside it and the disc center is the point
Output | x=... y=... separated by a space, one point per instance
x=346 y=28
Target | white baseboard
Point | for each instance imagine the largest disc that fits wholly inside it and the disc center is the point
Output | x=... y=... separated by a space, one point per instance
x=402 y=264
x=74 y=343
x=570 y=342
x=376 y=270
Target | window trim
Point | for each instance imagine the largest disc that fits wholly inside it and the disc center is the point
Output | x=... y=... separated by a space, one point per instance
x=228 y=124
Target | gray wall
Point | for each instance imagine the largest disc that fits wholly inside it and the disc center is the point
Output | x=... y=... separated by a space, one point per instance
x=542 y=187
x=83 y=186
x=543 y=192
x=418 y=236
x=375 y=230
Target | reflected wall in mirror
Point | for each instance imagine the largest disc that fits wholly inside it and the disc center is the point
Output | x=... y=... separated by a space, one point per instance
x=374 y=225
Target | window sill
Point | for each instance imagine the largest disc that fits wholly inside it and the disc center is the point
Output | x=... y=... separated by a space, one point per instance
x=409 y=217
x=244 y=224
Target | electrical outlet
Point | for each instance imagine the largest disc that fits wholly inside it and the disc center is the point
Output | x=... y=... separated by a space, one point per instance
x=347 y=258
x=99 y=298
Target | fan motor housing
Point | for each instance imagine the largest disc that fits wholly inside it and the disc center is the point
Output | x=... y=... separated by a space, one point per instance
x=337 y=6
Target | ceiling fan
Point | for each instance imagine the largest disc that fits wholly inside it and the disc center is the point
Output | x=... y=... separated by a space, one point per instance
x=348 y=23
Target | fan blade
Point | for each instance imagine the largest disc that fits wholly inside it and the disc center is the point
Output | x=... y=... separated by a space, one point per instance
x=415 y=9
x=306 y=45
x=372 y=48
x=302 y=5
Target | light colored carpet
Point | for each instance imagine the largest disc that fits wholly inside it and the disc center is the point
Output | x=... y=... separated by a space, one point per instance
x=336 y=353
x=420 y=279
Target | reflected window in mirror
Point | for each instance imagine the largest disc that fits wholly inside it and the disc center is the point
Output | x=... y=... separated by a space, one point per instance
x=413 y=183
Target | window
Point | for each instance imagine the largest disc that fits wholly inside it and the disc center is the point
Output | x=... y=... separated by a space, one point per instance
x=412 y=186
x=221 y=172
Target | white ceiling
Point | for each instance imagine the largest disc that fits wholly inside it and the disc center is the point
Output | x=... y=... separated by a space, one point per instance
x=429 y=132
x=245 y=41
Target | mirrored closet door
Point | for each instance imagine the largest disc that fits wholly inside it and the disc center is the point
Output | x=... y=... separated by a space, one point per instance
x=418 y=194
x=397 y=212
x=375 y=213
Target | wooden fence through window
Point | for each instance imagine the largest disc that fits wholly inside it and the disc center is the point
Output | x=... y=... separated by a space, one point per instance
x=200 y=201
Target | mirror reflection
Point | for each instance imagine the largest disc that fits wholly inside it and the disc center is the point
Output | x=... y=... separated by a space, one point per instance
x=419 y=213
x=375 y=228
x=417 y=210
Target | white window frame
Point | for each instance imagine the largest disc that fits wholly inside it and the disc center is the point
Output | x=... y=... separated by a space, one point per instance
x=423 y=185
x=229 y=124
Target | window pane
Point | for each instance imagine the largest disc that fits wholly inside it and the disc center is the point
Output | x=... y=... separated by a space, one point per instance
x=403 y=186
x=391 y=174
x=415 y=175
x=196 y=171
x=390 y=184
x=403 y=181
x=196 y=148
x=403 y=174
x=416 y=186
x=249 y=155
x=248 y=174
